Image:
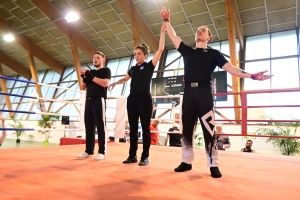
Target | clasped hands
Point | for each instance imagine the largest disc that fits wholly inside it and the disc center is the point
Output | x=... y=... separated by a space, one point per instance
x=86 y=75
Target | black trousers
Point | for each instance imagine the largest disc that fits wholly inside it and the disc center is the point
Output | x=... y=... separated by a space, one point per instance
x=139 y=106
x=198 y=103
x=94 y=116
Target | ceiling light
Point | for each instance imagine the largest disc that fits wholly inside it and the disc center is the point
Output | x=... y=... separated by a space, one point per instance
x=72 y=16
x=9 y=37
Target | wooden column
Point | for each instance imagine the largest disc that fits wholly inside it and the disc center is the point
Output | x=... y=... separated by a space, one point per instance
x=4 y=89
x=233 y=59
x=34 y=73
x=77 y=63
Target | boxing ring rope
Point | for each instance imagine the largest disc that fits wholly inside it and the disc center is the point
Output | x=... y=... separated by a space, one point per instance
x=36 y=98
x=244 y=108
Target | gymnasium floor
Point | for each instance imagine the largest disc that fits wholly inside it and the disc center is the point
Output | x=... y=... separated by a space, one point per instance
x=54 y=173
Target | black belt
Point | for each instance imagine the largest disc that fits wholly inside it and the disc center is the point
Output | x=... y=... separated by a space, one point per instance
x=92 y=97
x=197 y=84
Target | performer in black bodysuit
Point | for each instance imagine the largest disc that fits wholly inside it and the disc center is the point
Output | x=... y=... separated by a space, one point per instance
x=199 y=64
x=139 y=101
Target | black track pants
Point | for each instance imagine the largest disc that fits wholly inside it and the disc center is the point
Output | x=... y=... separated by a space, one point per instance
x=94 y=116
x=198 y=103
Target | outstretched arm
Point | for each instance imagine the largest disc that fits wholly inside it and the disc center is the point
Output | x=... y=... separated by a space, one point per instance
x=242 y=74
x=165 y=14
x=121 y=81
x=161 y=45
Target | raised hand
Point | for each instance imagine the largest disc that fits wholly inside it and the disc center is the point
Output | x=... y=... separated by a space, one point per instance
x=260 y=76
x=165 y=14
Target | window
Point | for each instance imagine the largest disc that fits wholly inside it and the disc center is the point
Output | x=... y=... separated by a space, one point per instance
x=258 y=47
x=284 y=43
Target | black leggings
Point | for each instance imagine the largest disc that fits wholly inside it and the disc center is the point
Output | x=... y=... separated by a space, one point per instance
x=139 y=105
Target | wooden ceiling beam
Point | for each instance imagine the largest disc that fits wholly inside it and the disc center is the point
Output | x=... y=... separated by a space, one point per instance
x=37 y=51
x=15 y=66
x=53 y=14
x=137 y=21
x=34 y=73
x=4 y=89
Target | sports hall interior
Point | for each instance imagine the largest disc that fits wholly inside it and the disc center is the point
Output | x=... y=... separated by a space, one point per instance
x=254 y=35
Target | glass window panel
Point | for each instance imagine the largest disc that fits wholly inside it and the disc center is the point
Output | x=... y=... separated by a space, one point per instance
x=35 y=108
x=113 y=66
x=117 y=89
x=20 y=92
x=171 y=56
x=77 y=94
x=10 y=83
x=59 y=91
x=127 y=87
x=56 y=77
x=28 y=92
x=150 y=57
x=283 y=43
x=225 y=47
x=18 y=83
x=23 y=84
x=286 y=73
x=74 y=75
x=215 y=45
x=56 y=106
x=258 y=47
x=50 y=92
x=48 y=77
x=68 y=70
x=70 y=94
x=255 y=67
x=123 y=66
x=22 y=107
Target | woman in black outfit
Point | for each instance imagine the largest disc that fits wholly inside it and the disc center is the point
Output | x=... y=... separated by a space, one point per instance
x=139 y=101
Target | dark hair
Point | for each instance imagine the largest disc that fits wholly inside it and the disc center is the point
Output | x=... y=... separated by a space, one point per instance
x=101 y=54
x=249 y=141
x=144 y=48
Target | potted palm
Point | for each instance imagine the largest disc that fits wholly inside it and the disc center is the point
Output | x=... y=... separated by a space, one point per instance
x=46 y=122
x=287 y=146
x=17 y=124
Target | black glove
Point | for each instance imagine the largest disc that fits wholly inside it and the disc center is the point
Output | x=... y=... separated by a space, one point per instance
x=89 y=76
x=84 y=79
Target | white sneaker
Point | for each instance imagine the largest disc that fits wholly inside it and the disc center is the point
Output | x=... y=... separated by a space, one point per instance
x=100 y=157
x=84 y=155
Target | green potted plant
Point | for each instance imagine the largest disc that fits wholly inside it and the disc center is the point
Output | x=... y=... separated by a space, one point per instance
x=287 y=146
x=17 y=124
x=46 y=122
x=198 y=141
